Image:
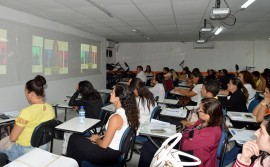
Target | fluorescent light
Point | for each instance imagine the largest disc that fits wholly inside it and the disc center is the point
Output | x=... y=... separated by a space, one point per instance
x=206 y=29
x=218 y=30
x=134 y=30
x=148 y=38
x=246 y=4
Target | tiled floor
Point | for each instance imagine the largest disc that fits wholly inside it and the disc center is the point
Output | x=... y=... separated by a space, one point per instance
x=58 y=144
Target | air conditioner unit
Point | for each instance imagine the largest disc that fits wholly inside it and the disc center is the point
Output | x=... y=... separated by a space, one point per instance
x=206 y=45
x=219 y=13
x=111 y=44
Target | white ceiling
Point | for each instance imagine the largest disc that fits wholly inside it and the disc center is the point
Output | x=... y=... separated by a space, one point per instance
x=160 y=20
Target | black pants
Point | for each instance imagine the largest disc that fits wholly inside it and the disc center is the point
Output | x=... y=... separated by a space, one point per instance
x=81 y=148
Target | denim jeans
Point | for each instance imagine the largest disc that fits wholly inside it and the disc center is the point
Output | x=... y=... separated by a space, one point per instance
x=18 y=150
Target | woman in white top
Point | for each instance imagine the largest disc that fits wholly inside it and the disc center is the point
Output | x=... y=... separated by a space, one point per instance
x=105 y=150
x=195 y=93
x=248 y=82
x=145 y=99
x=158 y=90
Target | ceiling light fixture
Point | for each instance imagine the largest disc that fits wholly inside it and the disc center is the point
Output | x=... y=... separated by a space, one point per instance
x=218 y=31
x=100 y=7
x=207 y=26
x=134 y=30
x=247 y=3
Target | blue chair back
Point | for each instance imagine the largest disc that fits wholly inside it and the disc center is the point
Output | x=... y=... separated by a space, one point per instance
x=155 y=113
x=222 y=147
x=252 y=105
x=125 y=147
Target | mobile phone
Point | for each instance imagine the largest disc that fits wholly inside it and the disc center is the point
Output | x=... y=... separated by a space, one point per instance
x=157 y=130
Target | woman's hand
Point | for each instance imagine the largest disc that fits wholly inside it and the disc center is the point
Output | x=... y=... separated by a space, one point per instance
x=250 y=148
x=94 y=138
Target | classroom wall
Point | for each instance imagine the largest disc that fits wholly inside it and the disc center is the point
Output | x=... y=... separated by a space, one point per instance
x=224 y=55
x=12 y=97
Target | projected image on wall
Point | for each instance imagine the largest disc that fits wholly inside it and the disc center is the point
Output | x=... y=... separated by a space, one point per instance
x=37 y=48
x=88 y=57
x=94 y=57
x=3 y=51
x=55 y=57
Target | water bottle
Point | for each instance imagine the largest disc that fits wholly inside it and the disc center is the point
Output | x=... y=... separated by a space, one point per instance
x=81 y=115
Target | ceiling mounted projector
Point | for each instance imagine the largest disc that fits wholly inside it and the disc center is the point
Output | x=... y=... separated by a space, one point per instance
x=219 y=13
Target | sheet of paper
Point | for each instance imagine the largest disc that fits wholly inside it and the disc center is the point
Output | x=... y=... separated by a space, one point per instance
x=243 y=135
x=156 y=124
x=177 y=112
x=12 y=114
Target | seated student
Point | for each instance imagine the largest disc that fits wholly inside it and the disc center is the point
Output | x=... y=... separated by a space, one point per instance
x=91 y=99
x=223 y=79
x=237 y=96
x=175 y=77
x=201 y=139
x=210 y=74
x=257 y=78
x=167 y=79
x=195 y=93
x=263 y=107
x=158 y=90
x=140 y=73
x=144 y=98
x=149 y=75
x=29 y=118
x=210 y=89
x=186 y=72
x=105 y=150
x=246 y=79
x=259 y=148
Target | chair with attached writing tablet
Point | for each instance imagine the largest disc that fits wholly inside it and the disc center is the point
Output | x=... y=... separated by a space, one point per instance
x=141 y=139
x=44 y=133
x=126 y=147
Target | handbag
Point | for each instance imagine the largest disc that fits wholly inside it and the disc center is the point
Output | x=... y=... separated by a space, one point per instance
x=169 y=157
x=184 y=101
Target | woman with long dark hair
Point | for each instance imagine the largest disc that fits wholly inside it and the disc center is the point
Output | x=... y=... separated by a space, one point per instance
x=90 y=99
x=247 y=80
x=145 y=99
x=195 y=93
x=158 y=90
x=105 y=150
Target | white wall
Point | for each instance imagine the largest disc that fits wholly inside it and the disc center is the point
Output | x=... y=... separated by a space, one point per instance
x=225 y=55
x=12 y=97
